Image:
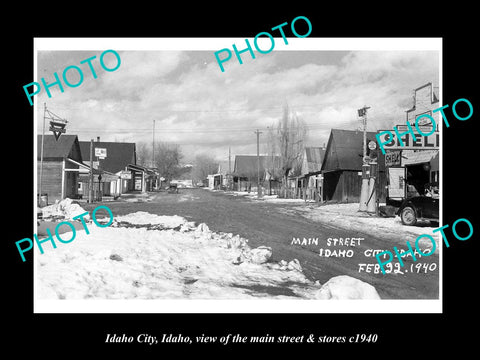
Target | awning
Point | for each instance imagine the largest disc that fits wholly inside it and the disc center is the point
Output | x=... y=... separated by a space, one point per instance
x=84 y=170
x=411 y=157
x=147 y=171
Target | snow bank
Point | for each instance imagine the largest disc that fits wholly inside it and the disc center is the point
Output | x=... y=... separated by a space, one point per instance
x=145 y=218
x=345 y=287
x=64 y=209
x=182 y=262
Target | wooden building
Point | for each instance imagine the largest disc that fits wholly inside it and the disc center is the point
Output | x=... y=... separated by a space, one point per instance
x=58 y=174
x=308 y=185
x=116 y=178
x=245 y=172
x=342 y=167
x=413 y=166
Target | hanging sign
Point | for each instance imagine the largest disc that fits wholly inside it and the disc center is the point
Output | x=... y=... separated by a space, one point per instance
x=57 y=127
x=393 y=157
x=101 y=152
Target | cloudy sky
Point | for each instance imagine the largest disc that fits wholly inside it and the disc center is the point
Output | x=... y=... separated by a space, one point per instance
x=205 y=110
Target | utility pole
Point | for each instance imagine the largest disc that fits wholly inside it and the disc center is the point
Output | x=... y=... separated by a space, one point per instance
x=153 y=155
x=90 y=178
x=153 y=145
x=362 y=113
x=229 y=160
x=259 y=191
x=41 y=154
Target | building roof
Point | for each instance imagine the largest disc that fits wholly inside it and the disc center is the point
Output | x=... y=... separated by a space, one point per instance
x=246 y=165
x=119 y=154
x=313 y=159
x=65 y=146
x=345 y=150
x=223 y=167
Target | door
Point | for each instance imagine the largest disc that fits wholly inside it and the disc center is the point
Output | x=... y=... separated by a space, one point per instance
x=396 y=183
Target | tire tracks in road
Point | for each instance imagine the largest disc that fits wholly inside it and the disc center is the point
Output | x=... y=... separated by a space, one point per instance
x=268 y=224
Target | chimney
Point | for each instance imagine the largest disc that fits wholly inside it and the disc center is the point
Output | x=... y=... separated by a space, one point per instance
x=98 y=138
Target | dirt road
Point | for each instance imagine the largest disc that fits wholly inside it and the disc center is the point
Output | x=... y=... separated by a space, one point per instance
x=264 y=223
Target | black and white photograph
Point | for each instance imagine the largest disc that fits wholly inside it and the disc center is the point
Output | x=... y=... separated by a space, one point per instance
x=218 y=180
x=245 y=183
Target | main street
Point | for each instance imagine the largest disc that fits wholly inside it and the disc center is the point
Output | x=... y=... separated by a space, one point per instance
x=268 y=224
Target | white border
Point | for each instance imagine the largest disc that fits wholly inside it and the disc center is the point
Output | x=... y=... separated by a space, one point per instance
x=238 y=306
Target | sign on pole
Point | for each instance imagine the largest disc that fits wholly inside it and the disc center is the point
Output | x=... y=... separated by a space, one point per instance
x=101 y=152
x=57 y=127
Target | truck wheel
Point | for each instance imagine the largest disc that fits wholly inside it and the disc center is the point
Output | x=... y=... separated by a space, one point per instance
x=408 y=216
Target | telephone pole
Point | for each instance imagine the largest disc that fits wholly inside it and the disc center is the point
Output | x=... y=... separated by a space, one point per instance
x=41 y=154
x=229 y=160
x=259 y=191
x=153 y=145
x=362 y=113
x=90 y=178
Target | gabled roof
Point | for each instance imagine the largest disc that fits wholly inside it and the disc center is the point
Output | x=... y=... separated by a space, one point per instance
x=119 y=154
x=246 y=165
x=345 y=150
x=313 y=158
x=223 y=167
x=65 y=146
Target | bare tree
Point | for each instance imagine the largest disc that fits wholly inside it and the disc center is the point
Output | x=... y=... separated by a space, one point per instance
x=203 y=166
x=288 y=142
x=167 y=159
x=144 y=154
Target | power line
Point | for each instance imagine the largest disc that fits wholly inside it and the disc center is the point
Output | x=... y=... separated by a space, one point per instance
x=315 y=109
x=200 y=129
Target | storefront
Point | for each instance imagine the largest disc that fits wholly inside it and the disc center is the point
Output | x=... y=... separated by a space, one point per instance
x=411 y=173
x=142 y=178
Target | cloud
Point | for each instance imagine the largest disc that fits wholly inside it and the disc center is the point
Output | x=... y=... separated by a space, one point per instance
x=196 y=105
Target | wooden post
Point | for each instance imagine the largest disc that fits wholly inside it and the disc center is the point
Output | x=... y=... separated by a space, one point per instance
x=305 y=183
x=90 y=179
x=41 y=153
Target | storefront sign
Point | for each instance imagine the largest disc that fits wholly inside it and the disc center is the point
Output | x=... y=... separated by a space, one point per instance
x=138 y=184
x=390 y=141
x=127 y=175
x=393 y=158
x=386 y=138
x=101 y=152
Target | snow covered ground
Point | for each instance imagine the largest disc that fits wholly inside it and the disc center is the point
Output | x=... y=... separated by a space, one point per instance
x=65 y=209
x=140 y=197
x=146 y=256
x=347 y=216
x=267 y=198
